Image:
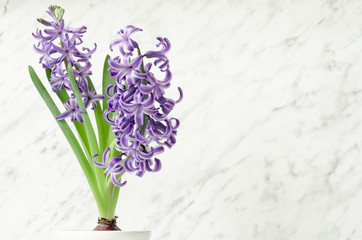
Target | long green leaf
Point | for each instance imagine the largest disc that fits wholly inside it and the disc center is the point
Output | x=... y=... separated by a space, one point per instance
x=63 y=97
x=98 y=113
x=106 y=80
x=71 y=140
x=100 y=176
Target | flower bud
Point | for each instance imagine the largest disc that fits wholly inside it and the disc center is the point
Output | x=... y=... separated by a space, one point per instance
x=57 y=11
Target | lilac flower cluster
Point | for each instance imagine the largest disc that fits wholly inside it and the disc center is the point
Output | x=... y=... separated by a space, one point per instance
x=56 y=57
x=138 y=109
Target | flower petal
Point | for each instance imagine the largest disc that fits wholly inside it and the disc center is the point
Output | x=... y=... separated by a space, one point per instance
x=157 y=166
x=115 y=181
x=64 y=114
x=97 y=163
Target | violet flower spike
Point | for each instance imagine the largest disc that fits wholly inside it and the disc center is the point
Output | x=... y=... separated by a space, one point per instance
x=69 y=39
x=73 y=111
x=139 y=108
x=55 y=53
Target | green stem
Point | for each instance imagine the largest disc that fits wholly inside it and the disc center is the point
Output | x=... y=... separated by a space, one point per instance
x=112 y=189
x=113 y=202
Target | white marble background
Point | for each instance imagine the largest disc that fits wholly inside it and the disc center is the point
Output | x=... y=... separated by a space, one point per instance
x=271 y=135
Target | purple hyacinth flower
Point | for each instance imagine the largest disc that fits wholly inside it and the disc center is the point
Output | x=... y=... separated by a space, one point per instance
x=77 y=33
x=127 y=70
x=159 y=86
x=164 y=134
x=159 y=131
x=67 y=51
x=140 y=107
x=82 y=74
x=85 y=56
x=39 y=35
x=57 y=31
x=46 y=51
x=166 y=104
x=162 y=63
x=59 y=78
x=90 y=97
x=113 y=167
x=164 y=43
x=137 y=149
x=125 y=42
x=157 y=165
x=123 y=124
x=69 y=38
x=73 y=111
x=131 y=165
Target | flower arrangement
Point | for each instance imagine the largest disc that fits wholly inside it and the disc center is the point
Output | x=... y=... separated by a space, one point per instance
x=132 y=114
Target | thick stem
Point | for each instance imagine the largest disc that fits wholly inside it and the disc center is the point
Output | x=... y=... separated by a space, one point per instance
x=112 y=189
x=114 y=200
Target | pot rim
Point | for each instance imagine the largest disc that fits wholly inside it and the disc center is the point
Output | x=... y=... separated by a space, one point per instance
x=84 y=230
x=90 y=234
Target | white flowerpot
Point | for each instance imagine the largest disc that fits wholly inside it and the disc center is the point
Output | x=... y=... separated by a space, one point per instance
x=104 y=235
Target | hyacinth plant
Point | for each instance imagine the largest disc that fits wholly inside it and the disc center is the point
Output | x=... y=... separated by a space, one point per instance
x=132 y=113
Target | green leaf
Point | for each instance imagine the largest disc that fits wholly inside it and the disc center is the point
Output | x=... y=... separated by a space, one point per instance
x=105 y=83
x=98 y=113
x=106 y=80
x=87 y=123
x=94 y=148
x=63 y=97
x=71 y=140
